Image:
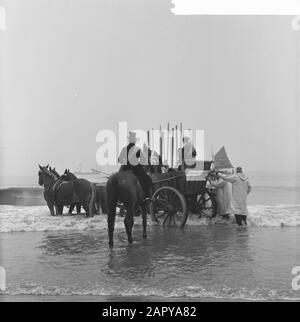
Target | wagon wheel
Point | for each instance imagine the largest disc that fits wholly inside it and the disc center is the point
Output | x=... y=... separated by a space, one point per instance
x=168 y=207
x=206 y=204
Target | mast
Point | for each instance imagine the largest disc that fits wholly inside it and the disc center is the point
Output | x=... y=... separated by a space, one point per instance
x=181 y=135
x=160 y=141
x=152 y=139
x=168 y=142
x=176 y=143
x=148 y=139
x=172 y=149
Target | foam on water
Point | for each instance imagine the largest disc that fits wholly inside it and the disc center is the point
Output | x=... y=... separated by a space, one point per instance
x=37 y=218
x=193 y=292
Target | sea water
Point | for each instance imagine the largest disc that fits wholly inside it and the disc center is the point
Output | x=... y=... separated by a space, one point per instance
x=69 y=256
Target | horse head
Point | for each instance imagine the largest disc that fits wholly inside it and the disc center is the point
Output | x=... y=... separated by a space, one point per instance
x=68 y=175
x=45 y=175
x=53 y=171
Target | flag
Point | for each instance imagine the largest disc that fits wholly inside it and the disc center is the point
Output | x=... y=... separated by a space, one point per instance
x=221 y=160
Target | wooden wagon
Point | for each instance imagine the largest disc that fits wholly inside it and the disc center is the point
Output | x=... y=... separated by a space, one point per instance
x=177 y=193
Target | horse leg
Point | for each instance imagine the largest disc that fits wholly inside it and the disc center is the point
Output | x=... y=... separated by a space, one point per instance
x=71 y=209
x=128 y=221
x=78 y=208
x=97 y=208
x=56 y=209
x=86 y=209
x=51 y=208
x=144 y=215
x=60 y=209
x=90 y=203
x=111 y=222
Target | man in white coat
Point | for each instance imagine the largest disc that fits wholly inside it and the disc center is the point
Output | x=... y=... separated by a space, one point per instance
x=240 y=189
x=223 y=195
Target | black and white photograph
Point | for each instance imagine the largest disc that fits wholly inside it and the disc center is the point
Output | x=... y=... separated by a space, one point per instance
x=149 y=152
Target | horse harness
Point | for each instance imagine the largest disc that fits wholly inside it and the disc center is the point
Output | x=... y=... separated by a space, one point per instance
x=57 y=185
x=54 y=188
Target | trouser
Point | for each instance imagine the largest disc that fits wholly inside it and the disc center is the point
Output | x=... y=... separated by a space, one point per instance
x=240 y=219
x=144 y=179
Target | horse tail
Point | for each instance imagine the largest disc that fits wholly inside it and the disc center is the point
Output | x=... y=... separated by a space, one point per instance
x=92 y=199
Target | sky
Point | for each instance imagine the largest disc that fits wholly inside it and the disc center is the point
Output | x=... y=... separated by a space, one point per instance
x=72 y=68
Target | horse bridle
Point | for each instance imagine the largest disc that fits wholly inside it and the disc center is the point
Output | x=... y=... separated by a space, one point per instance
x=57 y=181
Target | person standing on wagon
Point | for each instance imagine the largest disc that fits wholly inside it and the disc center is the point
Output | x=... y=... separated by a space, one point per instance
x=187 y=154
x=240 y=190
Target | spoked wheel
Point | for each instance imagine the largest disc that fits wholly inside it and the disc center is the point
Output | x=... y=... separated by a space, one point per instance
x=168 y=207
x=206 y=204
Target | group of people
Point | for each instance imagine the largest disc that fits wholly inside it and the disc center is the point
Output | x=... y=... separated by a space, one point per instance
x=231 y=194
x=142 y=161
x=231 y=189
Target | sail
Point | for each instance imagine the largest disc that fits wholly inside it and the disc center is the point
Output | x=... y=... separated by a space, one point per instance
x=221 y=160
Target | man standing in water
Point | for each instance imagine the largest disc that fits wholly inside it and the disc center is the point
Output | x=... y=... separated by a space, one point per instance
x=240 y=189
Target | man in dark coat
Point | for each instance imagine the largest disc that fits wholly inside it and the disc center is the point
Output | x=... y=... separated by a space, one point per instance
x=130 y=160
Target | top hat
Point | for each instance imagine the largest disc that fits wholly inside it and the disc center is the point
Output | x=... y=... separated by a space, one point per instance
x=132 y=137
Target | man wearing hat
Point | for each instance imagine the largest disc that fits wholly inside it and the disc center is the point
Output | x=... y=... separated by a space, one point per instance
x=240 y=189
x=130 y=160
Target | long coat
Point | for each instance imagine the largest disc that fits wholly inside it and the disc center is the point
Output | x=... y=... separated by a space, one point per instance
x=240 y=189
x=223 y=196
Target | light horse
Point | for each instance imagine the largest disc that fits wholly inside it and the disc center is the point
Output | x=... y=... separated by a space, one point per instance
x=125 y=187
x=58 y=193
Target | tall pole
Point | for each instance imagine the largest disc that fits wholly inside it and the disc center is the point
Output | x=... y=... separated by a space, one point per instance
x=181 y=135
x=168 y=142
x=163 y=147
x=172 y=149
x=160 y=142
x=176 y=142
x=152 y=139
x=148 y=139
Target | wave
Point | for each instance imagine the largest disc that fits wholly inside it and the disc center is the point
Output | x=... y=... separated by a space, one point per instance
x=37 y=218
x=193 y=292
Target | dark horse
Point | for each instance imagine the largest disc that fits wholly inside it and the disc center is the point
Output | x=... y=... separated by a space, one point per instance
x=69 y=176
x=100 y=198
x=58 y=193
x=124 y=186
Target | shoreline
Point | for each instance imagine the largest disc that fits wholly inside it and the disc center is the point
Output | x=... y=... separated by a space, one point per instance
x=108 y=299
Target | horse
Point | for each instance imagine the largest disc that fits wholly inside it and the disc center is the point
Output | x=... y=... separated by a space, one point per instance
x=58 y=193
x=72 y=206
x=53 y=170
x=100 y=198
x=124 y=186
